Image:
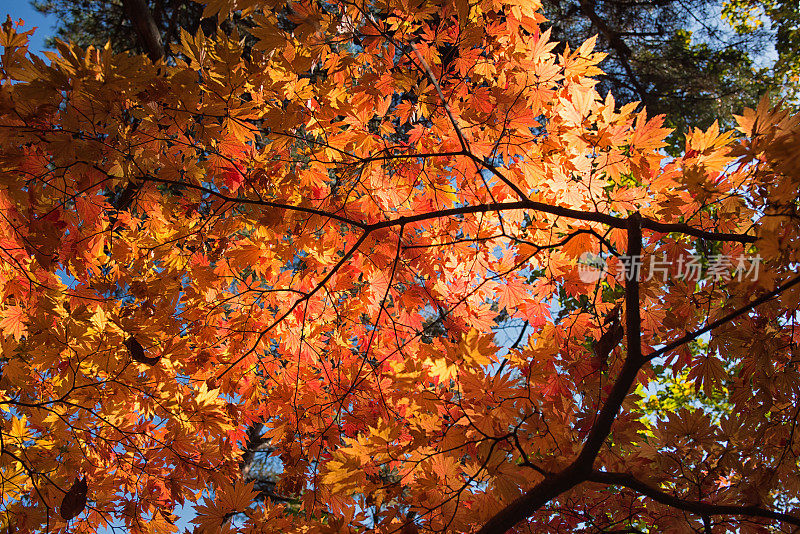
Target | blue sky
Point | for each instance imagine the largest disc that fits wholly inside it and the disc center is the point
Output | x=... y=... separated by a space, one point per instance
x=22 y=9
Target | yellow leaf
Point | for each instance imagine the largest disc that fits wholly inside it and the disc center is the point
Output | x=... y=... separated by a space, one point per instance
x=19 y=428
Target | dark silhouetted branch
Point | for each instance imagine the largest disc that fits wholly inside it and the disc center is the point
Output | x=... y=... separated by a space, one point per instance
x=146 y=28
x=695 y=507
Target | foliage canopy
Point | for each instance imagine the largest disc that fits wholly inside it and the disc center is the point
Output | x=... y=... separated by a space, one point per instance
x=338 y=236
x=676 y=57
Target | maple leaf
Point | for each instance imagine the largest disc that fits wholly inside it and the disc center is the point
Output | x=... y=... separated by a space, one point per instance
x=648 y=135
x=708 y=374
x=513 y=294
x=229 y=499
x=233 y=178
x=13 y=322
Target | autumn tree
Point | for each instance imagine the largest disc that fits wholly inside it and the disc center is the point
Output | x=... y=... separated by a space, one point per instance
x=336 y=238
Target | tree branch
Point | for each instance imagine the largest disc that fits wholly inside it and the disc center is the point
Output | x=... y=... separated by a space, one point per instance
x=461 y=139
x=719 y=322
x=633 y=359
x=145 y=27
x=579 y=470
x=530 y=502
x=696 y=507
x=150 y=39
x=588 y=216
x=622 y=50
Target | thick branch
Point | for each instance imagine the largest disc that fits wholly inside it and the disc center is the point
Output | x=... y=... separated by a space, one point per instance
x=696 y=507
x=255 y=443
x=146 y=27
x=581 y=215
x=525 y=506
x=587 y=7
x=579 y=470
x=633 y=359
